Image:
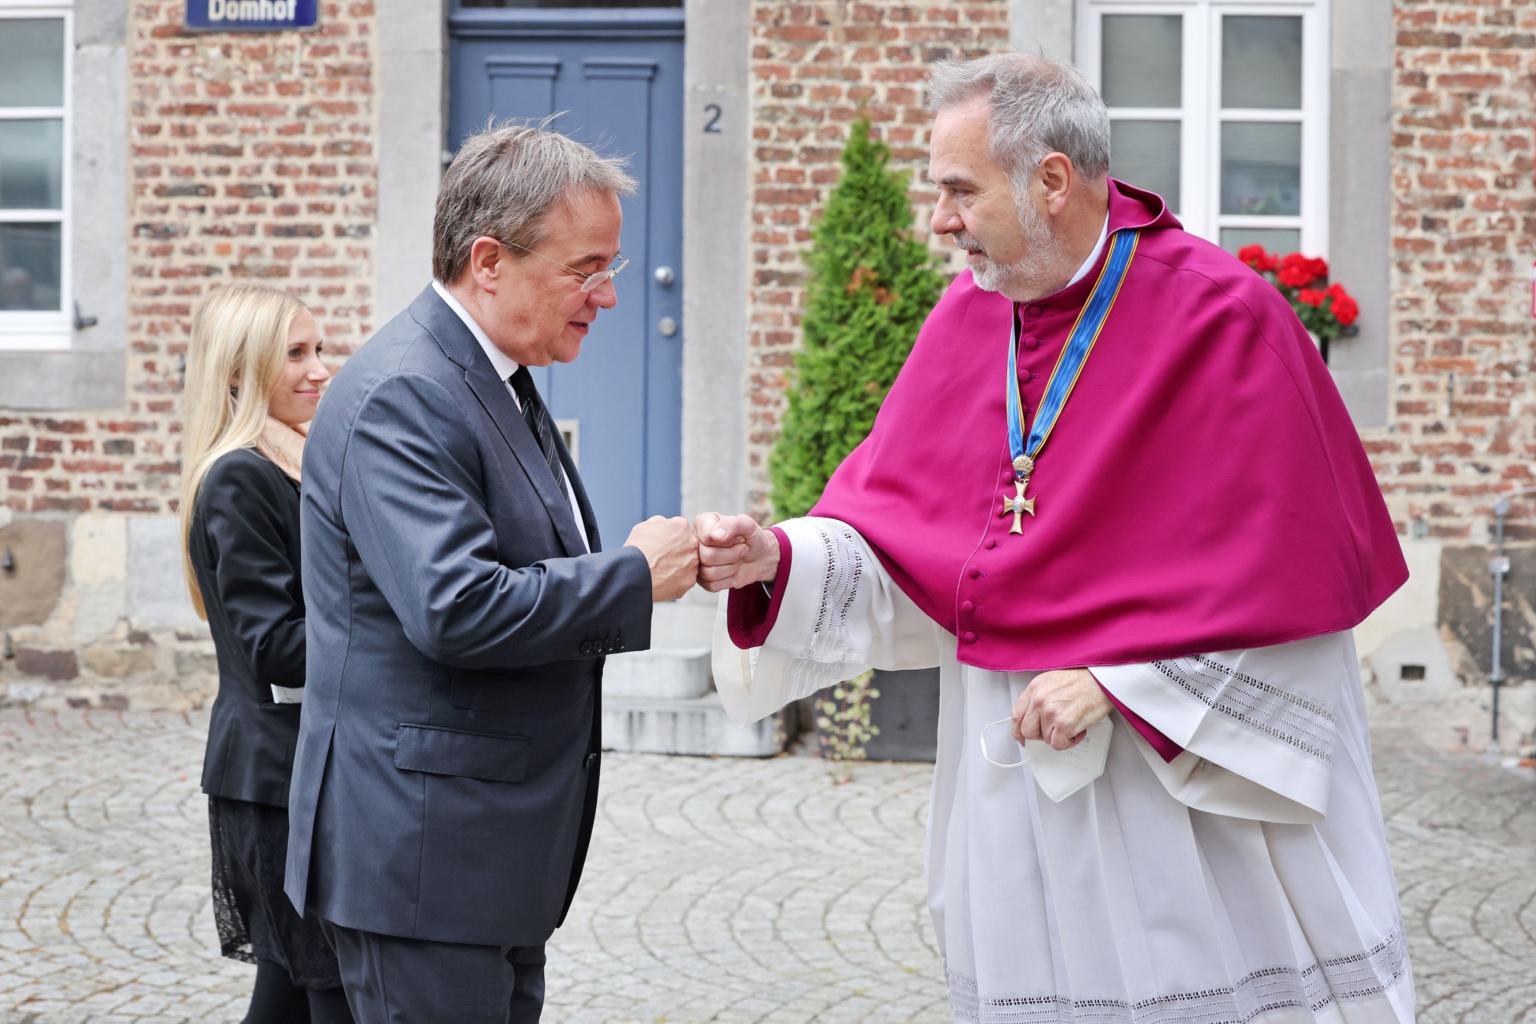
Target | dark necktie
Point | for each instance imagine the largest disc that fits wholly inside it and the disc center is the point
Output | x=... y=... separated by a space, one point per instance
x=537 y=417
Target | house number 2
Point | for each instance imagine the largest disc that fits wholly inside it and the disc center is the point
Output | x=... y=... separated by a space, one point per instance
x=712 y=126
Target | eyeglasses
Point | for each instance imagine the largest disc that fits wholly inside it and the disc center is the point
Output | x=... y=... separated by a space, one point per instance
x=589 y=282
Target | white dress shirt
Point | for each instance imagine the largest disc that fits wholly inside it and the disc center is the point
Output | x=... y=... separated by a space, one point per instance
x=1093 y=257
x=505 y=367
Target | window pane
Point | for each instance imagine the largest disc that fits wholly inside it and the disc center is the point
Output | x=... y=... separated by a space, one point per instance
x=1261 y=62
x=1277 y=240
x=1260 y=168
x=32 y=54
x=1146 y=154
x=31 y=165
x=1142 y=60
x=29 y=266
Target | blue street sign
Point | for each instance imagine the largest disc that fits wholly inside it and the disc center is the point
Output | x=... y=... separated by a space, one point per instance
x=261 y=15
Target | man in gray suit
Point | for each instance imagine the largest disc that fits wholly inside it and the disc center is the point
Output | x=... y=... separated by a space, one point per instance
x=460 y=603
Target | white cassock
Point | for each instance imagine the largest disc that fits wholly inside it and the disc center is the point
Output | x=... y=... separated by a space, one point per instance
x=1246 y=881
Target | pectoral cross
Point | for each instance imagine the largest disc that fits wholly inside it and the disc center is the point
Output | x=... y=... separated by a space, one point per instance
x=1023 y=466
x=1018 y=505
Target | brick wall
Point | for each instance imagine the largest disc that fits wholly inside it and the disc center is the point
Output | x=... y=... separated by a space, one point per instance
x=1463 y=420
x=815 y=67
x=250 y=159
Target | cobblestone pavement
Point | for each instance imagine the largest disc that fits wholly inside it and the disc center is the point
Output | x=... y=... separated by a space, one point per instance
x=730 y=891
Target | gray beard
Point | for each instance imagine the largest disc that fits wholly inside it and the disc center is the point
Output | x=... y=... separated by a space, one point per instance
x=1035 y=277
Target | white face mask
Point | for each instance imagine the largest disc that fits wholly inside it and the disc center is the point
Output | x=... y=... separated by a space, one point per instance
x=1024 y=755
x=1059 y=773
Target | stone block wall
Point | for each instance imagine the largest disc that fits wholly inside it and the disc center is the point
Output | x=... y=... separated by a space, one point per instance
x=95 y=613
x=251 y=159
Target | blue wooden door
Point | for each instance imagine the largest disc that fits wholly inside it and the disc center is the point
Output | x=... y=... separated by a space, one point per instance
x=620 y=81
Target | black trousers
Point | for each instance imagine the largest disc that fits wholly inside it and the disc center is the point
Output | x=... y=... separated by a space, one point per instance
x=391 y=980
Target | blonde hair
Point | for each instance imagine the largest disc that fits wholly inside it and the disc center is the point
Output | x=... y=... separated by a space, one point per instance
x=234 y=361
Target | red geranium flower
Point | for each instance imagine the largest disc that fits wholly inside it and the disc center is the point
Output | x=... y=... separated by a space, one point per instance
x=1296 y=271
x=1345 y=311
x=1325 y=310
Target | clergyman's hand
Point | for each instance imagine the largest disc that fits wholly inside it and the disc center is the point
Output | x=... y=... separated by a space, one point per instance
x=734 y=551
x=672 y=552
x=1058 y=707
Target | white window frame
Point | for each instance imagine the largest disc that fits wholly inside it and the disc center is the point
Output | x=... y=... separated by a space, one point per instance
x=46 y=329
x=1201 y=116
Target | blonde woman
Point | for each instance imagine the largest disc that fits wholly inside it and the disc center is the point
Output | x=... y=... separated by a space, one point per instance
x=254 y=379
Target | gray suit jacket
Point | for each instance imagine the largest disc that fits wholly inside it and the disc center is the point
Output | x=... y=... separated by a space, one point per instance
x=446 y=773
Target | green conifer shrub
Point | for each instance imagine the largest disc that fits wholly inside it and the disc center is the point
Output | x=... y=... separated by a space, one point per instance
x=872 y=284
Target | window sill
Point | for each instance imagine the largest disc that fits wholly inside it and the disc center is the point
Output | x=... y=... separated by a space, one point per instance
x=34 y=341
x=58 y=379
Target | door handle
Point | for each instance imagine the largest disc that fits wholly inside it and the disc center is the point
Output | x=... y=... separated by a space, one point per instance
x=664 y=276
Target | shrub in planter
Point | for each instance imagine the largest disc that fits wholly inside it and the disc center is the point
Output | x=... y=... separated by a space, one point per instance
x=872 y=283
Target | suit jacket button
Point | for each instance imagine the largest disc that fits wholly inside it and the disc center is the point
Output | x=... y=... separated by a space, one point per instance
x=586 y=647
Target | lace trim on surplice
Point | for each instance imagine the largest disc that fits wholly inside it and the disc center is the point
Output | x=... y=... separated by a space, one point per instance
x=824 y=660
x=1361 y=975
x=1288 y=717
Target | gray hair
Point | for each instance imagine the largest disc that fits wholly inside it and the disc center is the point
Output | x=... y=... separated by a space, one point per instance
x=503 y=183
x=1039 y=106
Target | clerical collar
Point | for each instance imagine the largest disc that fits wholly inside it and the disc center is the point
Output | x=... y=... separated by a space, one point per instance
x=1093 y=257
x=500 y=361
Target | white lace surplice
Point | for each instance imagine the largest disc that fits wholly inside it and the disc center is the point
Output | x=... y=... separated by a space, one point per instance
x=1247 y=880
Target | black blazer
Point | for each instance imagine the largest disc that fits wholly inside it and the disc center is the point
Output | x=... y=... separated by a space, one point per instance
x=244 y=544
x=446 y=776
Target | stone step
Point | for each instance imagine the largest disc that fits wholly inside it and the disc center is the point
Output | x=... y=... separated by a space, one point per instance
x=693 y=726
x=667 y=673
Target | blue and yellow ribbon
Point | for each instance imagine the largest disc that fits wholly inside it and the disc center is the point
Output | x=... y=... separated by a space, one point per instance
x=1069 y=364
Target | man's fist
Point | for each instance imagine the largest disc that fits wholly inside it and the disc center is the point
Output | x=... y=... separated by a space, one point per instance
x=734 y=551
x=671 y=550
x=1058 y=707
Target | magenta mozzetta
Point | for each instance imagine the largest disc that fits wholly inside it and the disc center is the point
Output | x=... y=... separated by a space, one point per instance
x=1229 y=522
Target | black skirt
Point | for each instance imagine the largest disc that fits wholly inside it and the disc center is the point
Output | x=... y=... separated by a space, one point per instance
x=254 y=918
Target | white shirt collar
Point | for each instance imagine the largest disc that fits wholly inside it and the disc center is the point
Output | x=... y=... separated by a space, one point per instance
x=1093 y=257
x=504 y=365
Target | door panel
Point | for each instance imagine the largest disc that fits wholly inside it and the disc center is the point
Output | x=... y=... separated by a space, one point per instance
x=620 y=96
x=521 y=83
